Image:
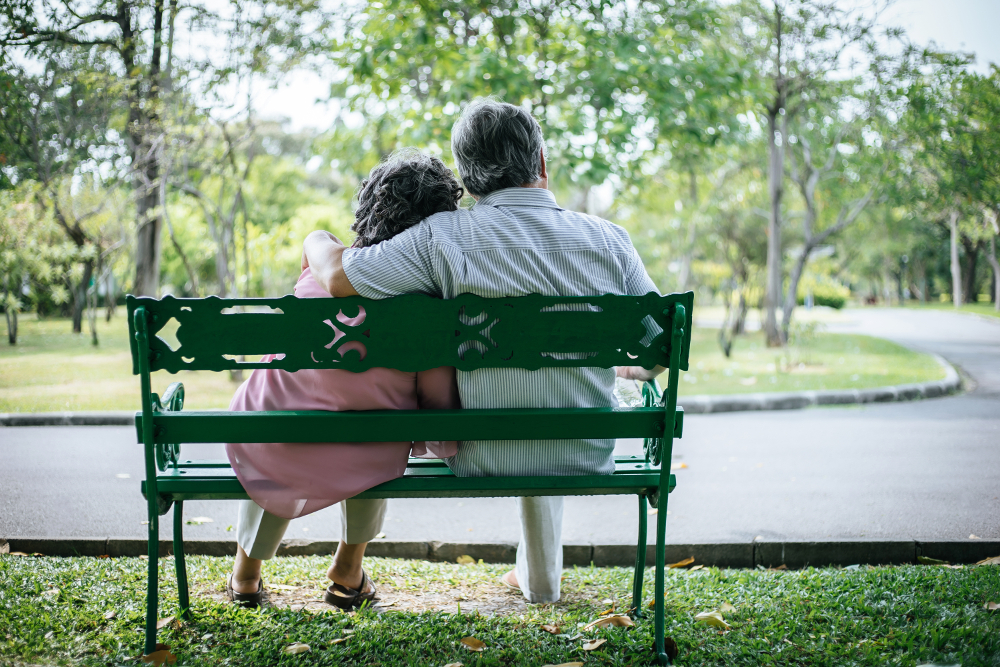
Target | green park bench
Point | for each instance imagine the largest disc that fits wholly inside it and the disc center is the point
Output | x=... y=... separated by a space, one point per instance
x=410 y=333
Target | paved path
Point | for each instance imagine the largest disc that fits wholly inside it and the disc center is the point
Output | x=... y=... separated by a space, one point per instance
x=925 y=469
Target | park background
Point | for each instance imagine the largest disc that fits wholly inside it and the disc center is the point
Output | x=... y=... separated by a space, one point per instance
x=781 y=160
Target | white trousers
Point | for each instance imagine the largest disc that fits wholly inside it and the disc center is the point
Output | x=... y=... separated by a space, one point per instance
x=539 y=553
x=259 y=532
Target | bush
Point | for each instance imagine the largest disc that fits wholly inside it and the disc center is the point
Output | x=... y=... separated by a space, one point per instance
x=825 y=292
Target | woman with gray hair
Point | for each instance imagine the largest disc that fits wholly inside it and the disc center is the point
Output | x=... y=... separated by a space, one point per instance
x=289 y=480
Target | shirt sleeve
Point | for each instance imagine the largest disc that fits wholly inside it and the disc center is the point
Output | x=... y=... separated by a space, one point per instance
x=400 y=265
x=637 y=281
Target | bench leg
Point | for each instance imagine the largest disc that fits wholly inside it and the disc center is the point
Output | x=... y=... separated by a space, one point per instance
x=658 y=616
x=152 y=579
x=640 y=560
x=182 y=583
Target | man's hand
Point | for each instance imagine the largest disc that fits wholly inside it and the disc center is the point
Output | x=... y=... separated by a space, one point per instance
x=638 y=373
x=322 y=254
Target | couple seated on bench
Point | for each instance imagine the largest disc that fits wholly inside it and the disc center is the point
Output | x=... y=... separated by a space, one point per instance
x=413 y=237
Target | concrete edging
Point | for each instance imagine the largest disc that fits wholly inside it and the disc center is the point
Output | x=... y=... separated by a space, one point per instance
x=702 y=404
x=755 y=553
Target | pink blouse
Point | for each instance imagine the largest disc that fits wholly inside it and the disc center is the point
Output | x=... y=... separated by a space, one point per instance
x=294 y=479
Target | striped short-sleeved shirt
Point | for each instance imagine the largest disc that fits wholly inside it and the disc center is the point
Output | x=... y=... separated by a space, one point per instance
x=513 y=242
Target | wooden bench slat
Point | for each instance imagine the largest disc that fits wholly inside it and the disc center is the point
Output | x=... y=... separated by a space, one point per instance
x=396 y=425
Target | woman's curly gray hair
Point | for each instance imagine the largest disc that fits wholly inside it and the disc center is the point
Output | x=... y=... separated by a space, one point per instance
x=400 y=191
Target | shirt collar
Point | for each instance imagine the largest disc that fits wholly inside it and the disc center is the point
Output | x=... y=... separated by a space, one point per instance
x=520 y=197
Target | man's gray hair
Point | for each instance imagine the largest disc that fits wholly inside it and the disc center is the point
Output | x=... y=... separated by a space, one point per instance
x=496 y=145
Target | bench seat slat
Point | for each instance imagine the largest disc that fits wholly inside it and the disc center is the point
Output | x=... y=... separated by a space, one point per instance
x=397 y=425
x=413 y=462
x=630 y=477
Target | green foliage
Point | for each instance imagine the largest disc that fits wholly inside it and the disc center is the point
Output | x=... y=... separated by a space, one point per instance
x=825 y=291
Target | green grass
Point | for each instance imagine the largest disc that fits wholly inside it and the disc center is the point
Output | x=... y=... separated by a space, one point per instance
x=53 y=611
x=50 y=369
x=817 y=361
x=986 y=309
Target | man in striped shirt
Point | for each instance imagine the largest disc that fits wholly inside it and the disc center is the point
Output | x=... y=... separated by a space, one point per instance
x=514 y=241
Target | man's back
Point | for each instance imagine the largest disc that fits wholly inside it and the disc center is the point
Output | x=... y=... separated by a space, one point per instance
x=513 y=242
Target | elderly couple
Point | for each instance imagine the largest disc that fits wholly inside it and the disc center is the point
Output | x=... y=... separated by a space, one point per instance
x=413 y=237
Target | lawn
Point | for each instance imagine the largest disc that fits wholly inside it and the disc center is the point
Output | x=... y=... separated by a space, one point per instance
x=89 y=611
x=985 y=309
x=50 y=369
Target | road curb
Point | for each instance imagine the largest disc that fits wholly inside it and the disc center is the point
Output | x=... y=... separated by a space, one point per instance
x=796 y=400
x=702 y=404
x=759 y=552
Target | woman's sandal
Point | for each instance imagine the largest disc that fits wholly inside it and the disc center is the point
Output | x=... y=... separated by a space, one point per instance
x=248 y=600
x=342 y=597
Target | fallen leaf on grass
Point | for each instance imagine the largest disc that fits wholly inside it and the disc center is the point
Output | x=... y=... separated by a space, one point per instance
x=561 y=664
x=617 y=620
x=339 y=640
x=991 y=606
x=160 y=656
x=110 y=615
x=682 y=563
x=607 y=611
x=779 y=568
x=473 y=644
x=164 y=622
x=925 y=560
x=465 y=560
x=4 y=547
x=696 y=567
x=593 y=645
x=50 y=634
x=990 y=561
x=678 y=466
x=455 y=664
x=551 y=629
x=17 y=553
x=727 y=608
x=198 y=520
x=296 y=648
x=670 y=646
x=712 y=618
x=384 y=604
x=282 y=587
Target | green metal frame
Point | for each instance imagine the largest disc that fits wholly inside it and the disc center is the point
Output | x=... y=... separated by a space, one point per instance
x=467 y=332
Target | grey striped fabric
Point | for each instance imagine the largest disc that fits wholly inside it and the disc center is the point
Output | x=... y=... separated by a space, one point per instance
x=513 y=242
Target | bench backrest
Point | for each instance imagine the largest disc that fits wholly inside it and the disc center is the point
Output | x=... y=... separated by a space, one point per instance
x=412 y=332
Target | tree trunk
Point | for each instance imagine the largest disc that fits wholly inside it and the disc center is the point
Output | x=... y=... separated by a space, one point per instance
x=971 y=260
x=688 y=257
x=992 y=259
x=956 y=271
x=776 y=175
x=792 y=296
x=80 y=296
x=11 y=325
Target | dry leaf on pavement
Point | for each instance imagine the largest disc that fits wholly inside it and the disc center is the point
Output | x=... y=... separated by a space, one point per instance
x=596 y=644
x=712 y=618
x=473 y=644
x=198 y=520
x=682 y=563
x=727 y=608
x=992 y=606
x=465 y=560
x=678 y=466
x=617 y=620
x=551 y=629
x=296 y=648
x=990 y=561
